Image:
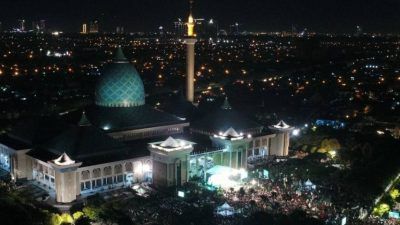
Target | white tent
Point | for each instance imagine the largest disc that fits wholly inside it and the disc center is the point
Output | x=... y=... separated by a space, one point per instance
x=225 y=210
x=309 y=185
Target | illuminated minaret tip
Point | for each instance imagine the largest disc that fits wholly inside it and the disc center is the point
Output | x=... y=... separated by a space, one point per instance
x=190 y=41
x=190 y=23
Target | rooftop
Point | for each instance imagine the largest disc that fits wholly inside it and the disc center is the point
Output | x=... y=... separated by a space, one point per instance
x=119 y=119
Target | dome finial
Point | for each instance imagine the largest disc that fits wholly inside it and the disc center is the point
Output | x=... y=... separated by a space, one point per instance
x=119 y=55
x=84 y=120
x=226 y=104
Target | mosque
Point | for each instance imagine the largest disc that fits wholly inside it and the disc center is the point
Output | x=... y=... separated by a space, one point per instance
x=120 y=141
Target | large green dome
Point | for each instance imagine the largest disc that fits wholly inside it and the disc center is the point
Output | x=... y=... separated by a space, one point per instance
x=120 y=84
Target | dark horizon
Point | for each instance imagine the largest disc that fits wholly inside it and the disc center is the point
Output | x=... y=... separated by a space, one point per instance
x=338 y=16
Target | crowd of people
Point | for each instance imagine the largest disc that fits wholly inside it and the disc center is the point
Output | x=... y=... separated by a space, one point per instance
x=286 y=194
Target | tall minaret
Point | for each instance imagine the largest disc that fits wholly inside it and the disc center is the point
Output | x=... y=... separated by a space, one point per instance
x=190 y=41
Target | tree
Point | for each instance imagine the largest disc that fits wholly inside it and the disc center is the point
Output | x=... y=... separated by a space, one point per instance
x=55 y=219
x=329 y=145
x=91 y=213
x=77 y=215
x=394 y=193
x=66 y=218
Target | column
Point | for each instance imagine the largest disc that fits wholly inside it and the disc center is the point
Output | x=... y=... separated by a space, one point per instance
x=237 y=159
x=187 y=167
x=190 y=42
x=197 y=165
x=204 y=168
x=230 y=158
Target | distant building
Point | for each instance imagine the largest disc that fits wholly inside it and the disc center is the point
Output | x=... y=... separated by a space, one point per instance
x=42 y=25
x=84 y=29
x=21 y=26
x=94 y=27
x=359 y=31
x=206 y=28
x=234 y=29
x=120 y=30
x=39 y=26
x=35 y=26
x=179 y=28
x=336 y=124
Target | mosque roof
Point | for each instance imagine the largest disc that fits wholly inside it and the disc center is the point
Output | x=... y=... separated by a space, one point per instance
x=83 y=141
x=180 y=107
x=119 y=119
x=223 y=119
x=37 y=130
x=120 y=84
x=86 y=144
x=13 y=143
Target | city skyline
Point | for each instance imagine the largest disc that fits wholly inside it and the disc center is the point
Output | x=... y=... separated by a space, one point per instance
x=260 y=112
x=328 y=16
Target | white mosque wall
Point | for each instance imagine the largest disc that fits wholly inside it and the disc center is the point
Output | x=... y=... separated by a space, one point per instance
x=114 y=175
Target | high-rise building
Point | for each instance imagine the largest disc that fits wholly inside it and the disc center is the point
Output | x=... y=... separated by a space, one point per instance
x=84 y=29
x=179 y=28
x=94 y=27
x=234 y=29
x=359 y=31
x=206 y=28
x=38 y=26
x=21 y=25
x=212 y=28
x=120 y=30
x=42 y=25
x=35 y=26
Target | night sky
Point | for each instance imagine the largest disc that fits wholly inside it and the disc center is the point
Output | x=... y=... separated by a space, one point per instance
x=255 y=15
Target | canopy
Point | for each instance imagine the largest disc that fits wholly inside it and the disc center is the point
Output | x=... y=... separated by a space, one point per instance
x=308 y=183
x=225 y=210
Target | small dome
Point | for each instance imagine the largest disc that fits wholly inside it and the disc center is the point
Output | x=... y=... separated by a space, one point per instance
x=120 y=84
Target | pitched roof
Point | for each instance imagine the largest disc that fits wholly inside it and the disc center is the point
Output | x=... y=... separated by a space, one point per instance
x=90 y=146
x=170 y=142
x=180 y=107
x=224 y=118
x=13 y=143
x=64 y=160
x=37 y=130
x=84 y=120
x=80 y=142
x=231 y=133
